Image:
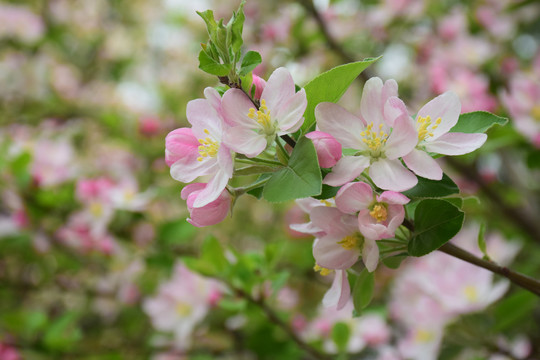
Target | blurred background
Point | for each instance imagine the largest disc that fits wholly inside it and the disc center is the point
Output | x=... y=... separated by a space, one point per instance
x=93 y=229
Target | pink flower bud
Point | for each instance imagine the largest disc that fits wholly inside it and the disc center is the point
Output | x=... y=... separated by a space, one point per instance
x=210 y=214
x=259 y=84
x=328 y=148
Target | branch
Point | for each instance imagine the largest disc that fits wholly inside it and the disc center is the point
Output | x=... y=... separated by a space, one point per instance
x=274 y=318
x=524 y=281
x=520 y=218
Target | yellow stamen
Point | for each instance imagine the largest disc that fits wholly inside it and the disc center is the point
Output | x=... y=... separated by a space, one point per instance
x=471 y=293
x=323 y=271
x=208 y=148
x=183 y=309
x=425 y=126
x=262 y=116
x=424 y=336
x=374 y=140
x=351 y=242
x=379 y=212
x=326 y=203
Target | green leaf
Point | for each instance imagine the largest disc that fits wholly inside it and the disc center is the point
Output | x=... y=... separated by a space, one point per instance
x=427 y=188
x=250 y=62
x=394 y=262
x=330 y=86
x=482 y=240
x=477 y=122
x=212 y=252
x=255 y=169
x=208 y=17
x=435 y=223
x=327 y=192
x=63 y=333
x=514 y=310
x=363 y=290
x=340 y=335
x=211 y=66
x=236 y=25
x=300 y=179
x=533 y=160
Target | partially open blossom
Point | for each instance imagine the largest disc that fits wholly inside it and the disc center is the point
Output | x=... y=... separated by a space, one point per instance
x=342 y=243
x=209 y=214
x=198 y=151
x=378 y=215
x=327 y=147
x=281 y=112
x=381 y=134
x=433 y=123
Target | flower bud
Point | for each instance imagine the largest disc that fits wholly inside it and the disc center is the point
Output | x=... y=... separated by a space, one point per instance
x=259 y=84
x=327 y=147
x=210 y=214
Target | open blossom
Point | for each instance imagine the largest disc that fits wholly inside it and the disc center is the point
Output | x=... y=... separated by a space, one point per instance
x=433 y=124
x=209 y=214
x=199 y=151
x=306 y=205
x=327 y=147
x=382 y=134
x=281 y=112
x=342 y=244
x=182 y=303
x=378 y=215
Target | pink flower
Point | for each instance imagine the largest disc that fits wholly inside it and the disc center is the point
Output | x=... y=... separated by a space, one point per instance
x=306 y=205
x=378 y=215
x=281 y=112
x=198 y=151
x=209 y=214
x=339 y=293
x=259 y=84
x=8 y=352
x=342 y=243
x=327 y=147
x=433 y=123
x=381 y=134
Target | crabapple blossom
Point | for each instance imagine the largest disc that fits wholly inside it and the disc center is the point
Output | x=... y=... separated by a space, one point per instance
x=327 y=147
x=281 y=112
x=199 y=151
x=259 y=84
x=381 y=135
x=306 y=205
x=433 y=123
x=209 y=214
x=378 y=215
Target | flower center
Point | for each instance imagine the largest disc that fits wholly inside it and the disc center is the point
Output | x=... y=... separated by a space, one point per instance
x=326 y=203
x=208 y=148
x=535 y=112
x=262 y=116
x=323 y=271
x=351 y=242
x=424 y=336
x=470 y=293
x=373 y=139
x=183 y=309
x=424 y=124
x=379 y=212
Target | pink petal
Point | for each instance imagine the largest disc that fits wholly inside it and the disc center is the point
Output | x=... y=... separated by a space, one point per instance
x=353 y=197
x=423 y=165
x=396 y=215
x=329 y=150
x=392 y=197
x=347 y=169
x=340 y=292
x=189 y=171
x=391 y=175
x=331 y=255
x=212 y=213
x=191 y=188
x=307 y=228
x=181 y=144
x=213 y=189
x=370 y=254
x=214 y=99
x=290 y=115
x=236 y=107
x=456 y=143
x=202 y=116
x=245 y=141
x=371 y=104
x=329 y=220
x=393 y=109
x=370 y=228
x=341 y=124
x=402 y=139
x=279 y=89
x=446 y=106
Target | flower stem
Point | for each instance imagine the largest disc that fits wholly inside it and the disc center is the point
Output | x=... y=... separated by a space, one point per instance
x=282 y=149
x=258 y=161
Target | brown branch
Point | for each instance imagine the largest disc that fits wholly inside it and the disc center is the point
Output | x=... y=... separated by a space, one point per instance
x=524 y=281
x=516 y=215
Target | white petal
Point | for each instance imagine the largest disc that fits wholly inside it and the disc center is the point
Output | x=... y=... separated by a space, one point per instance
x=423 y=165
x=456 y=143
x=447 y=107
x=347 y=169
x=391 y=175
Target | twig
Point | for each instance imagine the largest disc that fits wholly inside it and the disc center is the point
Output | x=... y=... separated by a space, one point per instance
x=274 y=318
x=520 y=218
x=524 y=281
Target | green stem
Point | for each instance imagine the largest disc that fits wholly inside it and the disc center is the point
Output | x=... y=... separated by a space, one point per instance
x=241 y=190
x=258 y=161
x=282 y=149
x=393 y=241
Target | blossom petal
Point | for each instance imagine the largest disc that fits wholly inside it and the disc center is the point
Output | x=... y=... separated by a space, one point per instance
x=393 y=109
x=423 y=165
x=181 y=144
x=402 y=139
x=456 y=143
x=329 y=254
x=391 y=175
x=370 y=254
x=341 y=124
x=329 y=219
x=279 y=89
x=347 y=169
x=339 y=294
x=371 y=105
x=191 y=188
x=353 y=197
x=188 y=171
x=202 y=116
x=213 y=189
x=236 y=107
x=289 y=116
x=392 y=197
x=245 y=141
x=446 y=106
